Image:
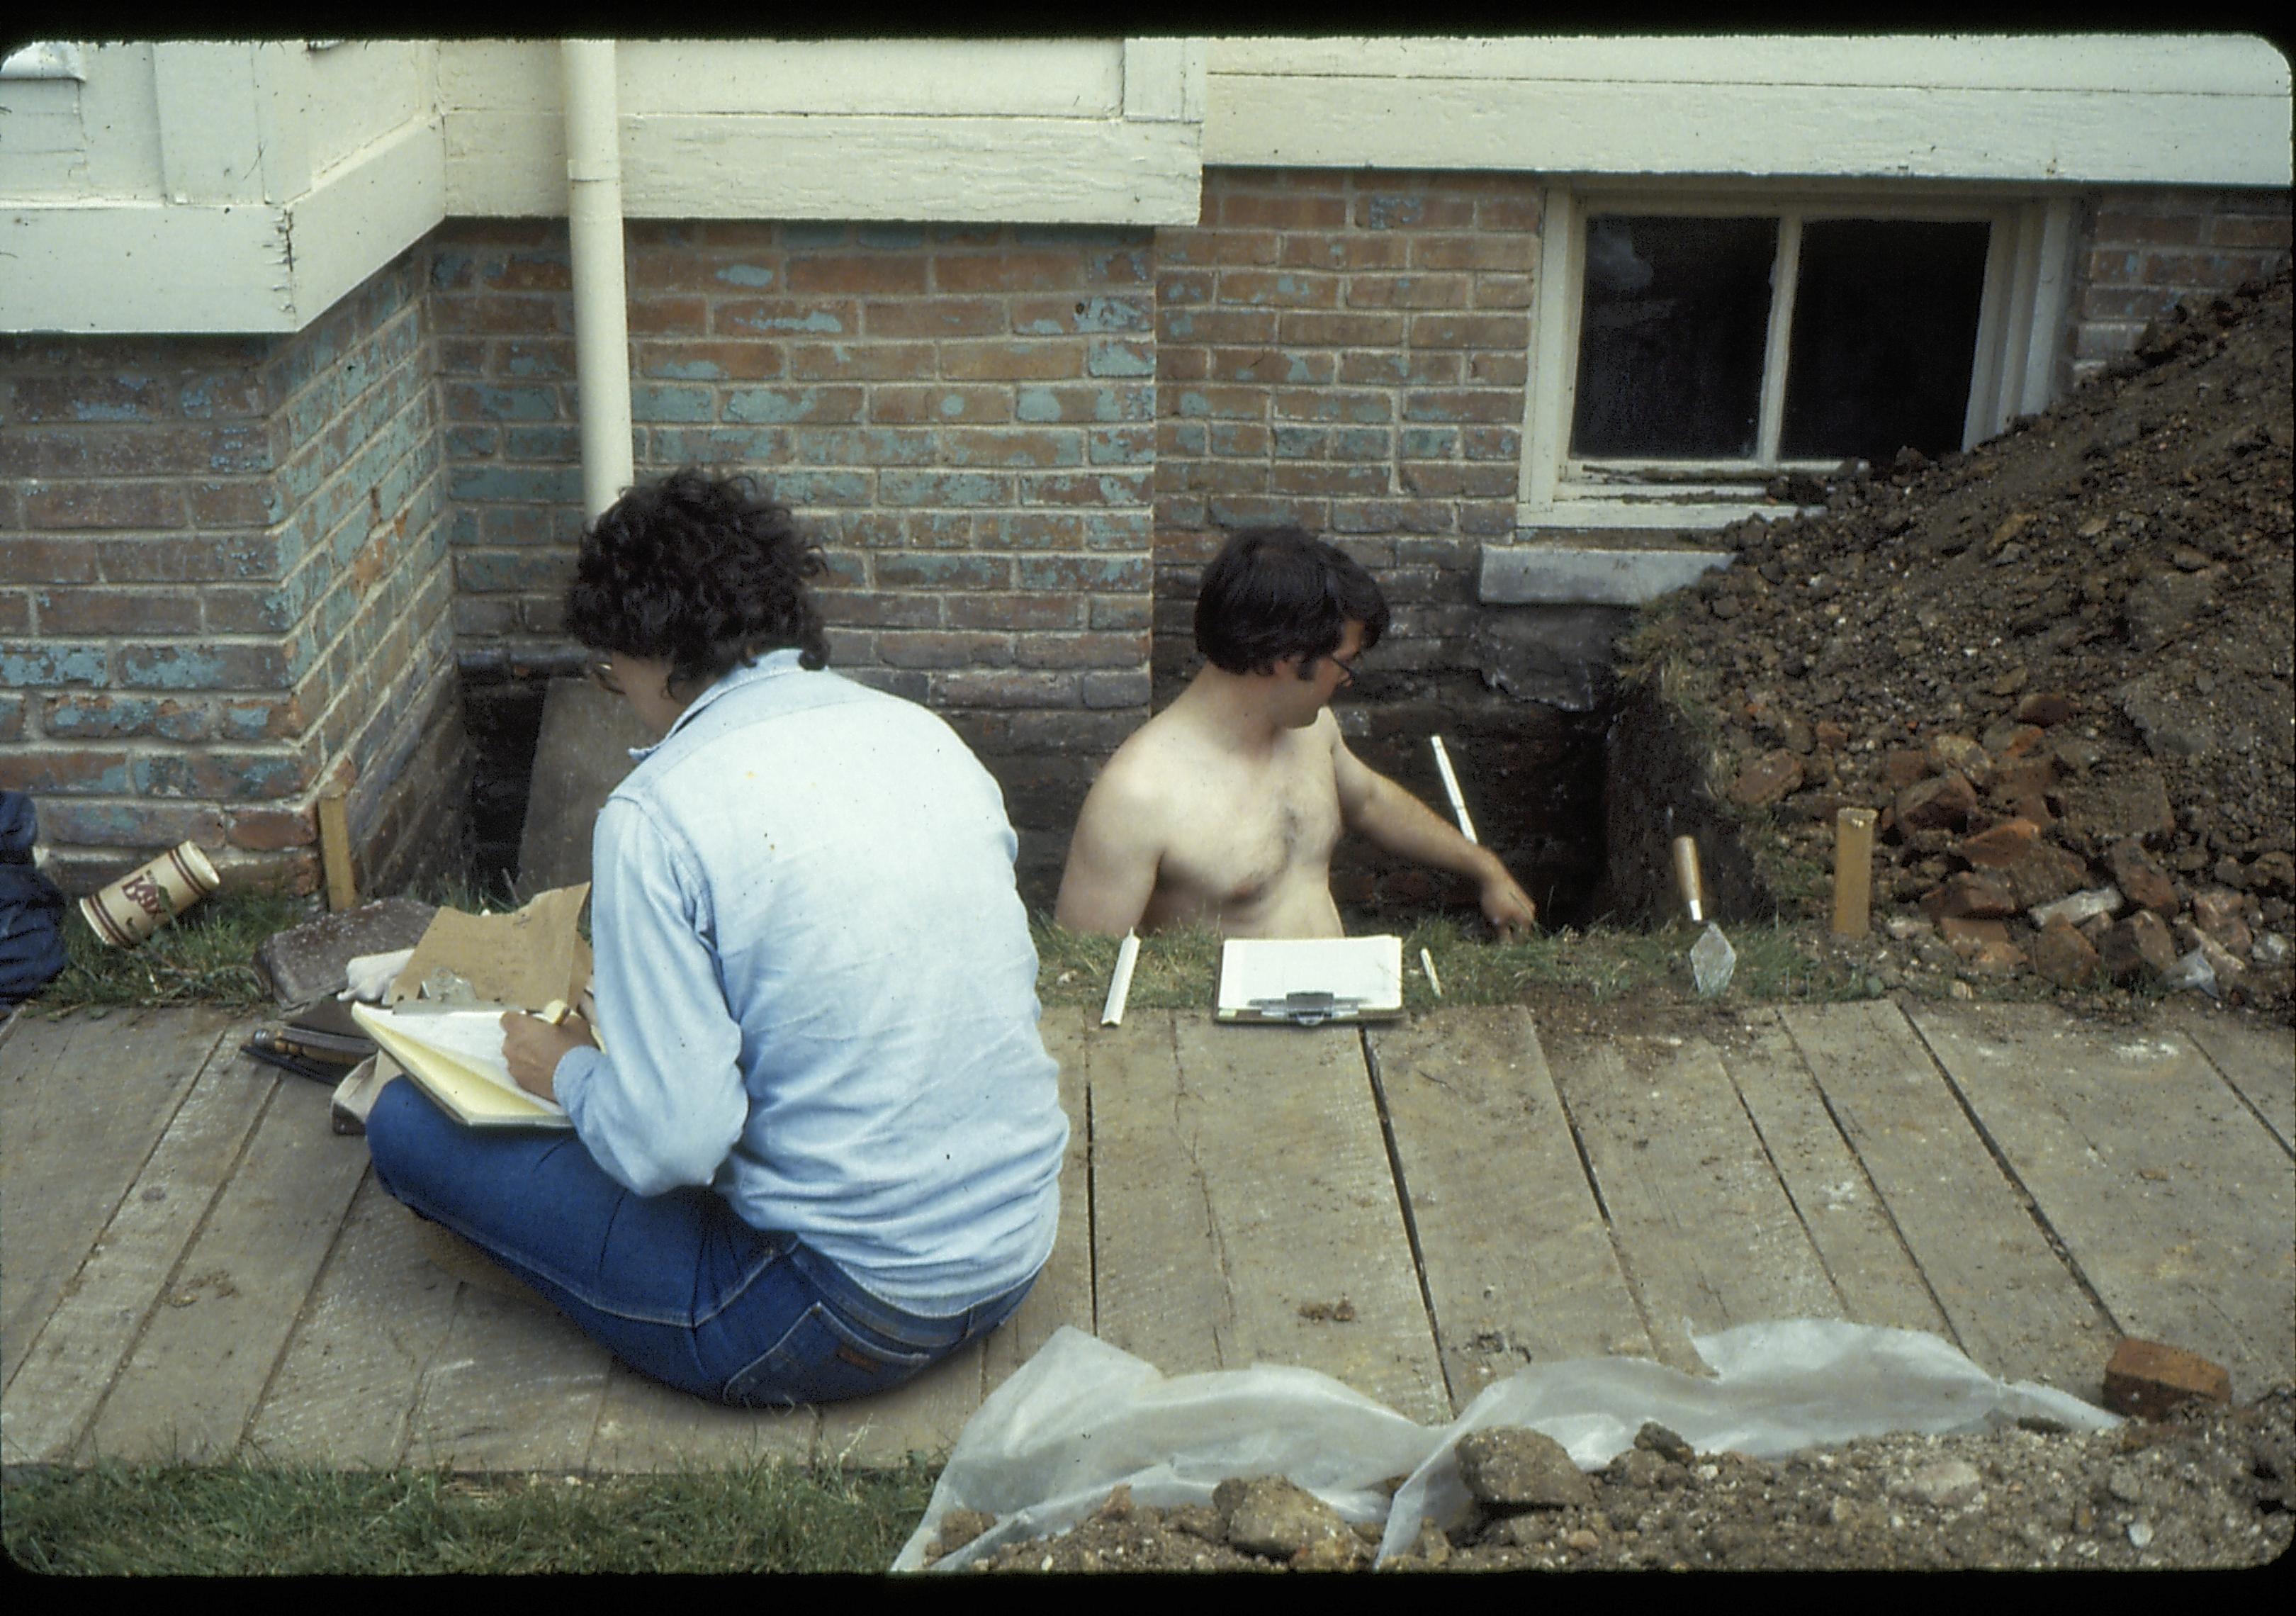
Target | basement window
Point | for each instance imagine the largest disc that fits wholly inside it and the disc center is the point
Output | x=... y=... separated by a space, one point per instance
x=1686 y=350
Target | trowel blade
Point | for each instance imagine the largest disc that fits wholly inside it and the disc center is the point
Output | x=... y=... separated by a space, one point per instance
x=1712 y=959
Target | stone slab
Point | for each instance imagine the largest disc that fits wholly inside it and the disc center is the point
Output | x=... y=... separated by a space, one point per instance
x=581 y=755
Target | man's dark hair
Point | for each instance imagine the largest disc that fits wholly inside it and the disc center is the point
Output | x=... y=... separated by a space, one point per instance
x=701 y=572
x=1272 y=593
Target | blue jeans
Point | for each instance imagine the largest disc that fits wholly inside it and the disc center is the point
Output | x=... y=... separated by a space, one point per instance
x=675 y=1285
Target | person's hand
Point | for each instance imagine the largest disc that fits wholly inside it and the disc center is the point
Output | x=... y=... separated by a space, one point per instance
x=1508 y=908
x=532 y=1048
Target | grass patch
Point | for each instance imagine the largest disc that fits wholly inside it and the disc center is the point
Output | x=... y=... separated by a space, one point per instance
x=206 y=957
x=249 y=1521
x=1180 y=969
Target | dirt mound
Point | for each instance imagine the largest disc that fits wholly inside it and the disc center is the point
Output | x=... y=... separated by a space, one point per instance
x=2207 y=1487
x=2059 y=664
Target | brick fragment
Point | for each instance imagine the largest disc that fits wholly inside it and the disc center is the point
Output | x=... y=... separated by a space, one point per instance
x=1768 y=779
x=1942 y=803
x=2143 y=883
x=2045 y=708
x=2063 y=956
x=2000 y=846
x=2147 y=1378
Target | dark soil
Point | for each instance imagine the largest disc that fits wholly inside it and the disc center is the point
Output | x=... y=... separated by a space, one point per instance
x=2058 y=663
x=2204 y=1488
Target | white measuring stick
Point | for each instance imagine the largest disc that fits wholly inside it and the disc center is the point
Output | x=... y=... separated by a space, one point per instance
x=1120 y=986
x=1451 y=788
x=1427 y=963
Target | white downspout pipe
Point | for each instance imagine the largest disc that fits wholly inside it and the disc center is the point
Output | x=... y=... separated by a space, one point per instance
x=594 y=217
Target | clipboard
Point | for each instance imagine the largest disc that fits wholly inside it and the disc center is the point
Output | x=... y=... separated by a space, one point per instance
x=1309 y=981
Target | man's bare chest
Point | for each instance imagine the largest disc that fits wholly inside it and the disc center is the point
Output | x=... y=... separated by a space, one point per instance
x=1253 y=827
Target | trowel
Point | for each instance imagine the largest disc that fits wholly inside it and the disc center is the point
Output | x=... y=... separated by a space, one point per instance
x=1712 y=959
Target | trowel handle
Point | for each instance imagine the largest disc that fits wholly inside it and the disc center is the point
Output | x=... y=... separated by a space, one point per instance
x=1686 y=876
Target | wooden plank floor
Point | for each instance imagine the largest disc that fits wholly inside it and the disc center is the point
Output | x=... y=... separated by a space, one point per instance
x=192 y=1265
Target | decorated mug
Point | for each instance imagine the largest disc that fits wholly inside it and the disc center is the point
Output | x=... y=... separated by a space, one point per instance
x=139 y=903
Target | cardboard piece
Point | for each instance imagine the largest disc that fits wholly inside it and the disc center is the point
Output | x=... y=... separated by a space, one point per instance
x=1309 y=981
x=525 y=960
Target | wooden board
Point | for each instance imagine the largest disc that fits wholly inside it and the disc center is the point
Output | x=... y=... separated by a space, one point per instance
x=82 y=1102
x=2015 y=1308
x=2170 y=1197
x=1871 y=1268
x=1705 y=1231
x=67 y=1366
x=922 y=1417
x=1518 y=1260
x=515 y=1386
x=2259 y=1061
x=377 y=1316
x=646 y=1426
x=1241 y=1199
x=1062 y=1294
x=189 y=1390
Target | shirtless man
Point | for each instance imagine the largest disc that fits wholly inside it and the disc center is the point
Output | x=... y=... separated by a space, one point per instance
x=1225 y=807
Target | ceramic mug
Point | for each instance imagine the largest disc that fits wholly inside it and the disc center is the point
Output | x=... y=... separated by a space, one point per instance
x=138 y=904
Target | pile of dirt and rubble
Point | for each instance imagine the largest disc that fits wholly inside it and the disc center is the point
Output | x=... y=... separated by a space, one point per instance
x=2059 y=666
x=2208 y=1486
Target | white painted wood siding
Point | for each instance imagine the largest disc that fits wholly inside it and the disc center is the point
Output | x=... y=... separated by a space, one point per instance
x=1022 y=131
x=229 y=186
x=2089 y=108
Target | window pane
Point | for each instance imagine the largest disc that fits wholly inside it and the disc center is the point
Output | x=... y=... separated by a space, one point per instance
x=1884 y=336
x=1670 y=337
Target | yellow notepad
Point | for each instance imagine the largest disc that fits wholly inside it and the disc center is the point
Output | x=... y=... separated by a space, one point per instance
x=450 y=1057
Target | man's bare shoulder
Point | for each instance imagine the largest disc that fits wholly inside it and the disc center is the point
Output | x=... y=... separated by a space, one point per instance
x=1143 y=774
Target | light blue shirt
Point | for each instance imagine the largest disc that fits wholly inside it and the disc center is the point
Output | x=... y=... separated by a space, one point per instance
x=818 y=986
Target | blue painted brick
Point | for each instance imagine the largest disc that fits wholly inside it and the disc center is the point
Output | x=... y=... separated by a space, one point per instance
x=943 y=488
x=1119 y=357
x=551 y=485
x=23 y=666
x=774 y=405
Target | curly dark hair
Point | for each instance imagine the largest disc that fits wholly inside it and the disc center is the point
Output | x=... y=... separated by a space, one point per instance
x=701 y=570
x=1272 y=593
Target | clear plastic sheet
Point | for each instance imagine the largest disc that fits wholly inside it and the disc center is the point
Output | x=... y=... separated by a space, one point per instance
x=1082 y=1417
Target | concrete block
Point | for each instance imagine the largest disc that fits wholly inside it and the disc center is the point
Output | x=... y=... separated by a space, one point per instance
x=2146 y=1379
x=1556 y=575
x=582 y=755
x=308 y=962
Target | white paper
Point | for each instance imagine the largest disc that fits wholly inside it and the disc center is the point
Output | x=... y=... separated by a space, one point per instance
x=1369 y=969
x=475 y=1038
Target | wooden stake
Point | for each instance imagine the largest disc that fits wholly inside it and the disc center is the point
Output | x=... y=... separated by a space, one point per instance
x=335 y=855
x=1853 y=871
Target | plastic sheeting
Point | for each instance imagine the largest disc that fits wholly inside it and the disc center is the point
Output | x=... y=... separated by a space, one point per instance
x=1082 y=1417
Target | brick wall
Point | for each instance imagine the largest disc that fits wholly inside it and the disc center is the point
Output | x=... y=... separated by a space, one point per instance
x=2145 y=248
x=964 y=417
x=1347 y=352
x=226 y=594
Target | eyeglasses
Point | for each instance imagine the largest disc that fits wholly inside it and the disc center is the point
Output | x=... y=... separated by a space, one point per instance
x=600 y=671
x=1346 y=670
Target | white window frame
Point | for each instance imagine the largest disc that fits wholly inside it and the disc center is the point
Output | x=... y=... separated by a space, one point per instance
x=2019 y=317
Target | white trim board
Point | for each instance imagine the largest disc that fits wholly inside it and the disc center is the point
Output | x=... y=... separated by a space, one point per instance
x=1086 y=171
x=2135 y=110
x=247 y=267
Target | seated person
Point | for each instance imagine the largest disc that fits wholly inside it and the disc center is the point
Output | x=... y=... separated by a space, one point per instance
x=820 y=1149
x=1225 y=807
